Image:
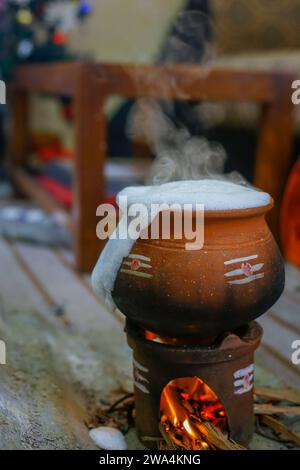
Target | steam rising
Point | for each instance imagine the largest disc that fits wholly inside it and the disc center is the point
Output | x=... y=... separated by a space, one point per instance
x=179 y=156
x=166 y=127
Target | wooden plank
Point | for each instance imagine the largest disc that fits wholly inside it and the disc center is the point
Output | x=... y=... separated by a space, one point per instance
x=90 y=156
x=287 y=309
x=278 y=394
x=278 y=337
x=57 y=78
x=276 y=351
x=68 y=258
x=184 y=82
x=292 y=272
x=160 y=81
x=16 y=288
x=80 y=306
x=274 y=410
x=269 y=359
x=280 y=429
x=288 y=312
x=292 y=281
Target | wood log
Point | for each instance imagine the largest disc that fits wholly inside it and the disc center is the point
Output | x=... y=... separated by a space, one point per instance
x=276 y=410
x=282 y=394
x=281 y=429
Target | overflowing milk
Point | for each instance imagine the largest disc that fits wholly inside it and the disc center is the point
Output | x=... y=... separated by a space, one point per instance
x=215 y=195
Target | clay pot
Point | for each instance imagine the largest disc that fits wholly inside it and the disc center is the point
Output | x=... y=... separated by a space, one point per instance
x=233 y=279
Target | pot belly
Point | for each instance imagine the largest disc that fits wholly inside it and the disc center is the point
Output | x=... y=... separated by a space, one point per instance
x=171 y=291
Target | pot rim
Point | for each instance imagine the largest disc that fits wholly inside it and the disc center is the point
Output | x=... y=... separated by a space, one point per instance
x=236 y=213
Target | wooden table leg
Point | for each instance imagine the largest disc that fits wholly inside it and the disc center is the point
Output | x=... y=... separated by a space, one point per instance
x=20 y=141
x=90 y=155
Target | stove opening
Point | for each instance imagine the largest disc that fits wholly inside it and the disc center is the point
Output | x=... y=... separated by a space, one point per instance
x=191 y=412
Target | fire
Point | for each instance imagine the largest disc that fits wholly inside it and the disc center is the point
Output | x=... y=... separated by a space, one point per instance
x=192 y=416
x=185 y=405
x=188 y=428
x=151 y=336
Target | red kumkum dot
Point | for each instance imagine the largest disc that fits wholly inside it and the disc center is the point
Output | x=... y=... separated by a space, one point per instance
x=247 y=268
x=135 y=265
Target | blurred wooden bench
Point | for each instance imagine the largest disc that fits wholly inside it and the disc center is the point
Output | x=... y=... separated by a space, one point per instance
x=91 y=84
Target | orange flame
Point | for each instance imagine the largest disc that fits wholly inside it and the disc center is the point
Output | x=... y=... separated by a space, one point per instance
x=186 y=401
x=187 y=427
x=151 y=336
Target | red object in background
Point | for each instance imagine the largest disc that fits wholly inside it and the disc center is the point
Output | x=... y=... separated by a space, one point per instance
x=111 y=200
x=59 y=38
x=52 y=153
x=63 y=194
x=59 y=192
x=290 y=217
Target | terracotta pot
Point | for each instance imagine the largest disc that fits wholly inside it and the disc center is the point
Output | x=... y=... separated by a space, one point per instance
x=233 y=279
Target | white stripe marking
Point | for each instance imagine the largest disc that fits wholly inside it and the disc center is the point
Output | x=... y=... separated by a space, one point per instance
x=139 y=378
x=246 y=280
x=240 y=382
x=237 y=272
x=240 y=391
x=141 y=387
x=239 y=260
x=134 y=256
x=140 y=366
x=243 y=372
x=136 y=273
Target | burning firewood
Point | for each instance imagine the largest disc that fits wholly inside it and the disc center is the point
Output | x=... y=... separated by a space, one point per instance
x=193 y=417
x=215 y=438
x=199 y=436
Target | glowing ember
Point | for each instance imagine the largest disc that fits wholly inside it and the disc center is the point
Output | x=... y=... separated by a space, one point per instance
x=151 y=336
x=185 y=405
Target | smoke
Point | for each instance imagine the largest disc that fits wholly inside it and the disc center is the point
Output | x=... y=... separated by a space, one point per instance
x=178 y=154
x=173 y=130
